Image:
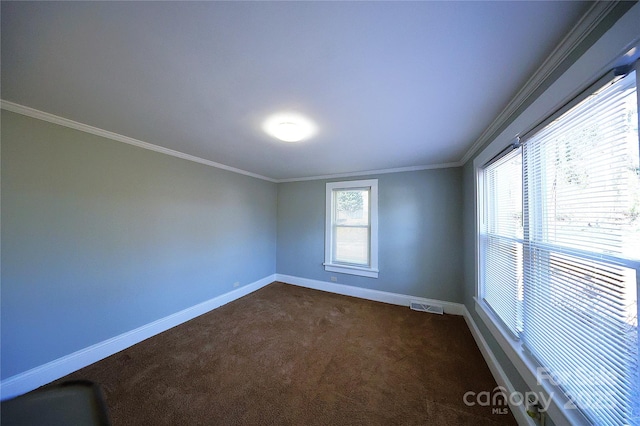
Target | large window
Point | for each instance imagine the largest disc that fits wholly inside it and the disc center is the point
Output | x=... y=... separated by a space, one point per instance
x=351 y=243
x=559 y=258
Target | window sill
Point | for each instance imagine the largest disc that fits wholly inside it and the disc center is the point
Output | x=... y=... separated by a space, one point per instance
x=351 y=270
x=528 y=369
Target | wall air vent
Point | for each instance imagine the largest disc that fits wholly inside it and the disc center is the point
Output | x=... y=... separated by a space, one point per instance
x=423 y=307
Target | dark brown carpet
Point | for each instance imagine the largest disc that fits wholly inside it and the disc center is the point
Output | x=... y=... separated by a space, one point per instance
x=287 y=355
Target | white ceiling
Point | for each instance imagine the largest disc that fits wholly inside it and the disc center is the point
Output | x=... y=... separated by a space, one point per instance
x=389 y=84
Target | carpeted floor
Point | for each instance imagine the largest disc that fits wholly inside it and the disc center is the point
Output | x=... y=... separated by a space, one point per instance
x=286 y=355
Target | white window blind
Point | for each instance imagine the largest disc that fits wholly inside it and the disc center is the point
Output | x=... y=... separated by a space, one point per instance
x=503 y=240
x=582 y=236
x=560 y=250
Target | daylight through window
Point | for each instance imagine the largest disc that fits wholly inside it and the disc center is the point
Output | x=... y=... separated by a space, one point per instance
x=560 y=250
x=351 y=228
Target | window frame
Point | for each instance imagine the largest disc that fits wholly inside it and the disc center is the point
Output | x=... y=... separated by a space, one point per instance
x=370 y=271
x=513 y=347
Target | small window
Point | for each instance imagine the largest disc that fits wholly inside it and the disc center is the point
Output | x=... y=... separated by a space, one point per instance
x=351 y=235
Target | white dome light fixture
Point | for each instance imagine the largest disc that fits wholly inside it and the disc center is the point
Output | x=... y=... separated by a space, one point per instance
x=289 y=127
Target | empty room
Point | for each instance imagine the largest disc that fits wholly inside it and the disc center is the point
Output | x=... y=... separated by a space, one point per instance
x=323 y=213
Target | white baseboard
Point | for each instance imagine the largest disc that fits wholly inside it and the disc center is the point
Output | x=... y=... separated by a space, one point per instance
x=365 y=293
x=519 y=411
x=46 y=373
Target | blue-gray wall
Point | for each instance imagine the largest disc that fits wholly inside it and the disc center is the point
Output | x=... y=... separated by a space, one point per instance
x=420 y=233
x=100 y=237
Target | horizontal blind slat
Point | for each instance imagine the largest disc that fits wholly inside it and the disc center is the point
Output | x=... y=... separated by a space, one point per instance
x=579 y=300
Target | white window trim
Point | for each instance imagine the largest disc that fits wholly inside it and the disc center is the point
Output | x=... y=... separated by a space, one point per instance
x=343 y=268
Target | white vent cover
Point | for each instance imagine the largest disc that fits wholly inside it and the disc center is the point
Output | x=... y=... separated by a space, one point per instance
x=423 y=307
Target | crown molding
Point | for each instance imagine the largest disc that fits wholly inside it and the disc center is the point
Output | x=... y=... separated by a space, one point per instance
x=51 y=118
x=375 y=172
x=594 y=16
x=45 y=116
x=589 y=21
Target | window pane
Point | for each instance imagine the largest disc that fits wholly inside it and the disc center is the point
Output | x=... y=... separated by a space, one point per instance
x=584 y=177
x=352 y=207
x=352 y=245
x=581 y=325
x=581 y=200
x=502 y=241
x=503 y=271
x=504 y=190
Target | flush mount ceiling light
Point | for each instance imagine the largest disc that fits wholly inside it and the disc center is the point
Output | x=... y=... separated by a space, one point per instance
x=289 y=127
